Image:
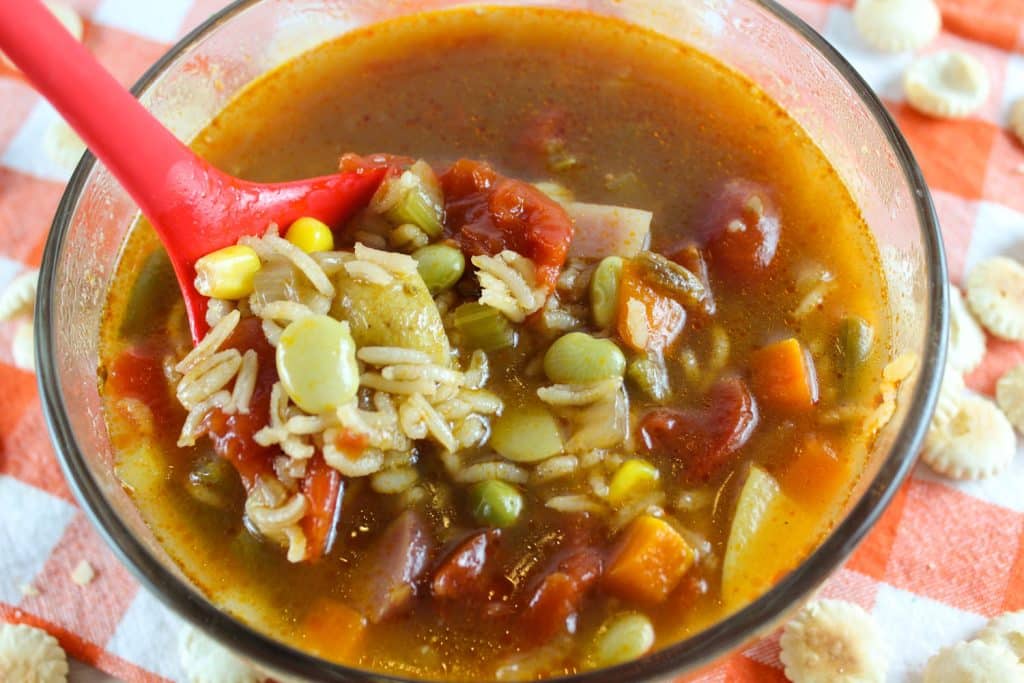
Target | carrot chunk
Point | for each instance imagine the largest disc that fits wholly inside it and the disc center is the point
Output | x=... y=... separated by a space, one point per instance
x=334 y=631
x=782 y=376
x=815 y=474
x=647 y=319
x=648 y=562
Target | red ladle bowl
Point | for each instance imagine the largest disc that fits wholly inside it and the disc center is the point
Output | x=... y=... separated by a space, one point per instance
x=194 y=207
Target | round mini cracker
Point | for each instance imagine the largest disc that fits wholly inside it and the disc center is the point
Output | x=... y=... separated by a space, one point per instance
x=950 y=393
x=207 y=661
x=1007 y=632
x=973 y=662
x=995 y=293
x=30 y=655
x=977 y=442
x=967 y=344
x=1010 y=396
x=897 y=25
x=832 y=641
x=949 y=84
x=1017 y=119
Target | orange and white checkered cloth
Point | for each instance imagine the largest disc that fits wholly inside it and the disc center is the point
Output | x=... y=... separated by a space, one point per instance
x=943 y=559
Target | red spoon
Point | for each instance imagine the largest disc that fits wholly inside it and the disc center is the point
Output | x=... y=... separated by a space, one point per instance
x=194 y=207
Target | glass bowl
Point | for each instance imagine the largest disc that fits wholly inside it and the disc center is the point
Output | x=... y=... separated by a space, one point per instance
x=786 y=58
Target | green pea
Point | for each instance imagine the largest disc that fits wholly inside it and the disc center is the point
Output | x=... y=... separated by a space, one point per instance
x=440 y=266
x=621 y=639
x=577 y=358
x=604 y=290
x=495 y=503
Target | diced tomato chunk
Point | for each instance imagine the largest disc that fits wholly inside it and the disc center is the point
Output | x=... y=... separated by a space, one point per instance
x=138 y=372
x=704 y=439
x=553 y=606
x=464 y=571
x=233 y=435
x=487 y=213
x=741 y=230
x=323 y=487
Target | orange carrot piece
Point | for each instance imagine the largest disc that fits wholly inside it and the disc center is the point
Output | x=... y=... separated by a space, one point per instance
x=814 y=475
x=782 y=376
x=648 y=562
x=661 y=318
x=334 y=631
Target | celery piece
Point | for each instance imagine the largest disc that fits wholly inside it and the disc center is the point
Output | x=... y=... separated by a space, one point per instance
x=483 y=327
x=152 y=296
x=413 y=197
x=650 y=376
x=673 y=278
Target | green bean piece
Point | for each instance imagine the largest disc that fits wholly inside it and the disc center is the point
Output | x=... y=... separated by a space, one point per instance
x=673 y=278
x=604 y=290
x=440 y=266
x=578 y=358
x=483 y=327
x=623 y=638
x=495 y=503
x=650 y=376
x=526 y=434
x=213 y=482
x=854 y=341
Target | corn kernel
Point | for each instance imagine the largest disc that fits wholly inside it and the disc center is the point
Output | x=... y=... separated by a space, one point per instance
x=310 y=235
x=633 y=478
x=227 y=273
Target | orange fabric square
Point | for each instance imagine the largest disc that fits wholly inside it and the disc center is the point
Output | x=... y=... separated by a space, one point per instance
x=1004 y=182
x=27 y=205
x=872 y=555
x=954 y=548
x=957 y=219
x=1015 y=590
x=19 y=392
x=28 y=455
x=815 y=13
x=744 y=669
x=92 y=611
x=996 y=22
x=953 y=154
x=1002 y=357
x=125 y=55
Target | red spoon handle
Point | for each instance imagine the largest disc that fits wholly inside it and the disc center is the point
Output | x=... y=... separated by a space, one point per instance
x=133 y=145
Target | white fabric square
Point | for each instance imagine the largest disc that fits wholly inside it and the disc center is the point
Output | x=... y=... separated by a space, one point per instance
x=26 y=151
x=1013 y=86
x=883 y=71
x=157 y=21
x=1004 y=489
x=998 y=231
x=146 y=620
x=915 y=628
x=32 y=523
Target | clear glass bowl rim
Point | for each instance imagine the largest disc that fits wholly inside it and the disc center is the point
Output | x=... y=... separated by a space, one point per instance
x=685 y=656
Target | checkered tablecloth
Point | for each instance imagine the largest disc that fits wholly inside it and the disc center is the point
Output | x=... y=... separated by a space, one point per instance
x=943 y=559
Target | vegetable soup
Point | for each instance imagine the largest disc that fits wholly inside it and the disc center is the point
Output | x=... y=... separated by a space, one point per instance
x=597 y=365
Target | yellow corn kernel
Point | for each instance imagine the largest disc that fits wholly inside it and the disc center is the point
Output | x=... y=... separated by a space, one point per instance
x=310 y=235
x=227 y=273
x=633 y=478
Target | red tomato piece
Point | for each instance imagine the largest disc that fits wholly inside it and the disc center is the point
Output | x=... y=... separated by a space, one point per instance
x=704 y=439
x=487 y=213
x=741 y=230
x=324 y=488
x=553 y=606
x=464 y=571
x=232 y=435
